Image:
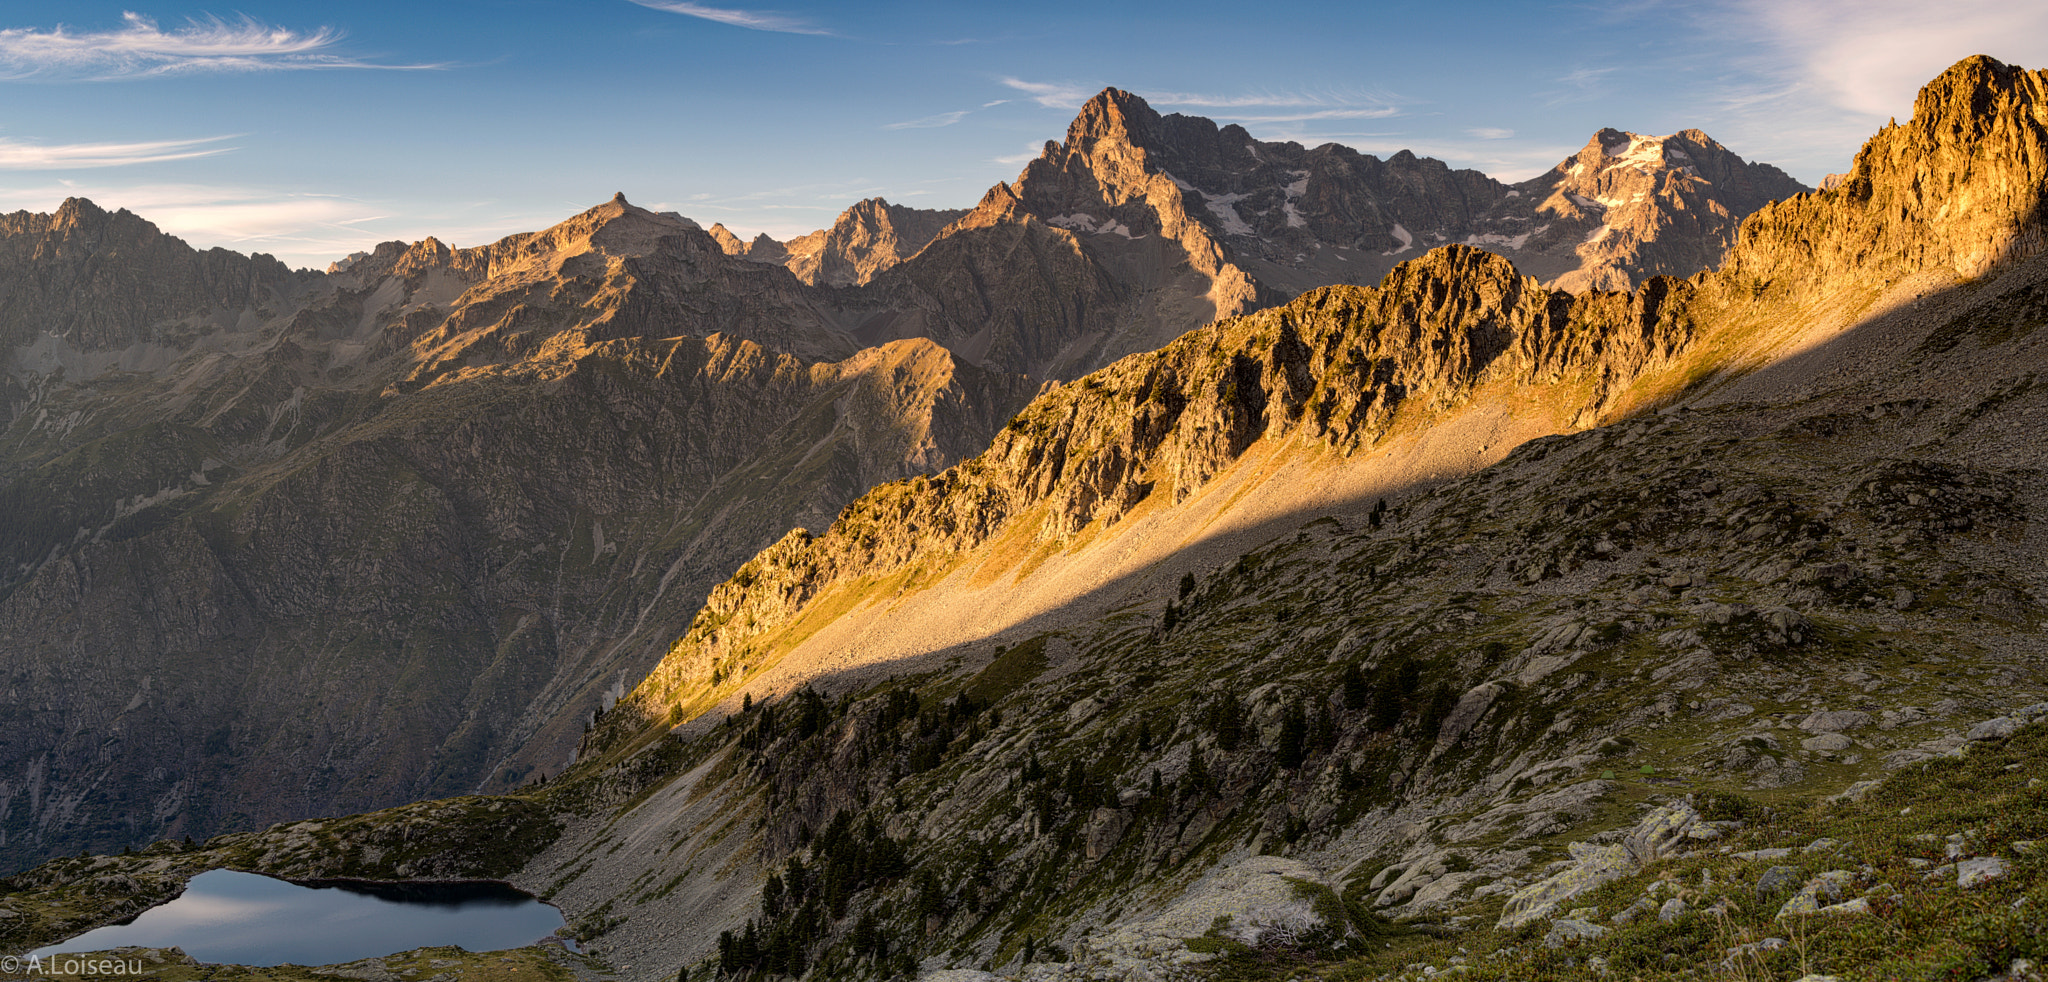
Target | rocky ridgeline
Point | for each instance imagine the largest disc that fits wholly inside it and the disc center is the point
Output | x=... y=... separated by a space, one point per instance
x=1113 y=176
x=96 y=279
x=1625 y=208
x=1335 y=367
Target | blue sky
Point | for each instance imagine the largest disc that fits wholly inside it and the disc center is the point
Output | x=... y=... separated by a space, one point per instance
x=308 y=131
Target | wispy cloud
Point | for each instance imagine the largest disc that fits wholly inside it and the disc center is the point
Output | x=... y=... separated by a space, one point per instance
x=1378 y=112
x=1872 y=56
x=1807 y=81
x=141 y=49
x=1491 y=133
x=930 y=122
x=1031 y=152
x=753 y=20
x=1052 y=95
x=1332 y=99
x=299 y=227
x=1579 y=85
x=17 y=155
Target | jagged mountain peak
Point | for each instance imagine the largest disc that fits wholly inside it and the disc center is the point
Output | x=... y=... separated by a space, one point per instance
x=1974 y=93
x=1113 y=113
x=1958 y=186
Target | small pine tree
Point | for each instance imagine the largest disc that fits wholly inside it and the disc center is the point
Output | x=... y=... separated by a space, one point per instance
x=1293 y=737
x=1229 y=722
x=1356 y=692
x=1187 y=585
x=1030 y=949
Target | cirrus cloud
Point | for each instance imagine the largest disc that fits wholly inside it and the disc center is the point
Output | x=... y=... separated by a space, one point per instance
x=141 y=49
x=931 y=122
x=1872 y=56
x=751 y=20
x=17 y=155
x=1052 y=95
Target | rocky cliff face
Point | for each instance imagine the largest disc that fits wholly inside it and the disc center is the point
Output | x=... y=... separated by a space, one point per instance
x=99 y=280
x=1957 y=187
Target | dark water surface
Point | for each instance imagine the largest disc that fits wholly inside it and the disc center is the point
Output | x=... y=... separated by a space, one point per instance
x=245 y=919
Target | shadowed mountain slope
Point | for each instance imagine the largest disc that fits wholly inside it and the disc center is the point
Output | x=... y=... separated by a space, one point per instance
x=325 y=543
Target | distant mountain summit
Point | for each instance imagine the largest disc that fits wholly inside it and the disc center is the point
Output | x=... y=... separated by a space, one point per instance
x=1628 y=206
x=867 y=238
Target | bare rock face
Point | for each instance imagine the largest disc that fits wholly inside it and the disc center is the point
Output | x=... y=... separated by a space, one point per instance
x=1956 y=187
x=869 y=237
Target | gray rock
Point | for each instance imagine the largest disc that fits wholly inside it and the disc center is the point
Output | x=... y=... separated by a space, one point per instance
x=1659 y=835
x=1471 y=706
x=1835 y=721
x=1823 y=845
x=1777 y=880
x=1628 y=914
x=1997 y=728
x=1566 y=931
x=2021 y=970
x=1828 y=742
x=1972 y=873
x=1672 y=910
x=1590 y=867
x=1759 y=854
x=1830 y=887
x=1855 y=792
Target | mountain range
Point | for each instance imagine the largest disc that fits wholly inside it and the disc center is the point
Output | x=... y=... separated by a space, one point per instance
x=401 y=528
x=1192 y=516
